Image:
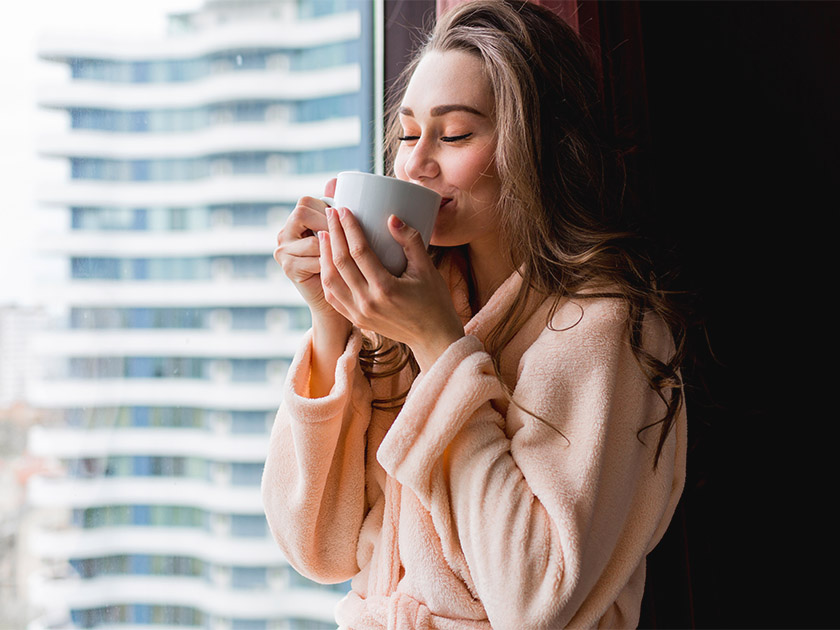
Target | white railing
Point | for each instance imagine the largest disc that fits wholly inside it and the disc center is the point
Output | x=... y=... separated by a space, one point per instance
x=227 y=138
x=215 y=190
x=192 y=592
x=173 y=343
x=84 y=493
x=245 y=85
x=274 y=291
x=291 y=34
x=59 y=394
x=109 y=541
x=101 y=442
x=149 y=244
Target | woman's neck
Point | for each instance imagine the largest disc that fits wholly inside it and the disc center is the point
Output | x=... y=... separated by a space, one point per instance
x=490 y=269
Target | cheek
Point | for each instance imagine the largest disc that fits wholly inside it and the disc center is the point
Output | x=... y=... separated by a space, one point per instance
x=399 y=165
x=479 y=173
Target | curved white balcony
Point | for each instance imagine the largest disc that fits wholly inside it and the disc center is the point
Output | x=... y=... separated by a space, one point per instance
x=63 y=443
x=84 y=493
x=172 y=343
x=174 y=541
x=55 y=394
x=275 y=291
x=242 y=86
x=229 y=138
x=191 y=592
x=229 y=241
x=279 y=35
x=214 y=190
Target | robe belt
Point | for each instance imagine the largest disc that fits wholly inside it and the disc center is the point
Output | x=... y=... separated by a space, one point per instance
x=398 y=611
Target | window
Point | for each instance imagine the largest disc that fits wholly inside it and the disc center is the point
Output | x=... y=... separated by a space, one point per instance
x=243 y=474
x=249 y=318
x=180 y=176
x=249 y=577
x=248 y=370
x=244 y=422
x=248 y=525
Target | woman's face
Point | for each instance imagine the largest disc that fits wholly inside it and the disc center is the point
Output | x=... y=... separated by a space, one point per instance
x=448 y=143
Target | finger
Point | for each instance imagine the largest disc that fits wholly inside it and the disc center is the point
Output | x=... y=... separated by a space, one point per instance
x=317 y=208
x=335 y=289
x=361 y=252
x=410 y=240
x=299 y=268
x=341 y=256
x=306 y=219
x=329 y=189
x=307 y=246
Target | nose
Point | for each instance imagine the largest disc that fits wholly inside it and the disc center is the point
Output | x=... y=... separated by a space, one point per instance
x=422 y=163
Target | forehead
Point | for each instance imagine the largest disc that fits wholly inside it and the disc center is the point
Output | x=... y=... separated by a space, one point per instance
x=449 y=78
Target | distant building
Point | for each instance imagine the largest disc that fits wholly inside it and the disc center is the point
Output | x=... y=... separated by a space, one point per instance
x=183 y=158
x=18 y=326
x=16 y=468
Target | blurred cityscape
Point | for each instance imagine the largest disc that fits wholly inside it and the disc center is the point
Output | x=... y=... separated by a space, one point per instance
x=135 y=408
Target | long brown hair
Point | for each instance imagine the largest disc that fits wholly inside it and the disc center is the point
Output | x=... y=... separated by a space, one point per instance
x=562 y=186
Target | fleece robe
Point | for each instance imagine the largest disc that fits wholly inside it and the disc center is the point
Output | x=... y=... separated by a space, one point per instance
x=464 y=511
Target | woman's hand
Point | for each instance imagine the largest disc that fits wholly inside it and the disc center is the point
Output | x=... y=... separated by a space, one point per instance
x=415 y=308
x=299 y=254
x=298 y=251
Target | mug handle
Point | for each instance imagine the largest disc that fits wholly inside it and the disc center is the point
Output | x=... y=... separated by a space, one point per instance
x=328 y=200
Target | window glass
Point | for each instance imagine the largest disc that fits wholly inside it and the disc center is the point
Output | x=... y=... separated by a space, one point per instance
x=177 y=159
x=254 y=422
x=248 y=525
x=246 y=474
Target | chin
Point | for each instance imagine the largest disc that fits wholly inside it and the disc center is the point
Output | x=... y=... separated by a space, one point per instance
x=443 y=241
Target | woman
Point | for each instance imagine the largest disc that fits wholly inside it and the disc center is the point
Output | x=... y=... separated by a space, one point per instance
x=495 y=438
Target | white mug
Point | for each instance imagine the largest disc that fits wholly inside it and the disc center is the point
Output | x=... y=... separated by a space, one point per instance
x=374 y=198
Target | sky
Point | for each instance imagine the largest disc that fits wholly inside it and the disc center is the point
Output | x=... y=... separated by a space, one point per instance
x=22 y=23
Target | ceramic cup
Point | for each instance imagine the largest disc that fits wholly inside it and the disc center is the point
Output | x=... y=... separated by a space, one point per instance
x=374 y=198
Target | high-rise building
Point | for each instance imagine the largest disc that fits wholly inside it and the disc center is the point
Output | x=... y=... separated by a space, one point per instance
x=183 y=156
x=18 y=326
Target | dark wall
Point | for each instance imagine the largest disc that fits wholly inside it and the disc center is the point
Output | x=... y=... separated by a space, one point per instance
x=743 y=105
x=737 y=170
x=406 y=24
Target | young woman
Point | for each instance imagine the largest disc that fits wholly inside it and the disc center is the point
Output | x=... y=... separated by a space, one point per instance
x=496 y=437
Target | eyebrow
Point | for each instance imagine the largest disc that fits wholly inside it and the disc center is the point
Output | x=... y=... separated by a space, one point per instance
x=440 y=110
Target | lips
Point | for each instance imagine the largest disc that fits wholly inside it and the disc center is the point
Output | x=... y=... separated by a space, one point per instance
x=445 y=201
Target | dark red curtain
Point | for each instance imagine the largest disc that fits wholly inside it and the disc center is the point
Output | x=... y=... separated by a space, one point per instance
x=613 y=31
x=729 y=111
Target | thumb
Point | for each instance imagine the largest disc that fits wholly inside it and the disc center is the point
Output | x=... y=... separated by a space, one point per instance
x=329 y=188
x=410 y=240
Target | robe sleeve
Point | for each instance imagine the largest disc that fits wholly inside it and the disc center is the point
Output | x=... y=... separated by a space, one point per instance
x=313 y=484
x=545 y=519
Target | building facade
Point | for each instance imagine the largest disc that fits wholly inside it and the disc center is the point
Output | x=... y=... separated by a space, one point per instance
x=18 y=326
x=182 y=159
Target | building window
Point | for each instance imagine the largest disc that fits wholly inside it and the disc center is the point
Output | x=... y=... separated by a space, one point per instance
x=248 y=525
x=246 y=474
x=248 y=370
x=249 y=577
x=249 y=318
x=253 y=422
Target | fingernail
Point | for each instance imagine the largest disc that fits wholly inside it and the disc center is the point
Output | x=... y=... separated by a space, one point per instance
x=397 y=222
x=342 y=212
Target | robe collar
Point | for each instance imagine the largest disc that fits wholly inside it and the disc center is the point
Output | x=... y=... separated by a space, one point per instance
x=454 y=270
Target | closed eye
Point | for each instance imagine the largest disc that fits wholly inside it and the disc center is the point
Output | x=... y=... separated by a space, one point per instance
x=455 y=138
x=443 y=138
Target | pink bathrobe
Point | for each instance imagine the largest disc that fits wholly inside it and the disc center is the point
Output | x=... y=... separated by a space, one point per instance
x=464 y=512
